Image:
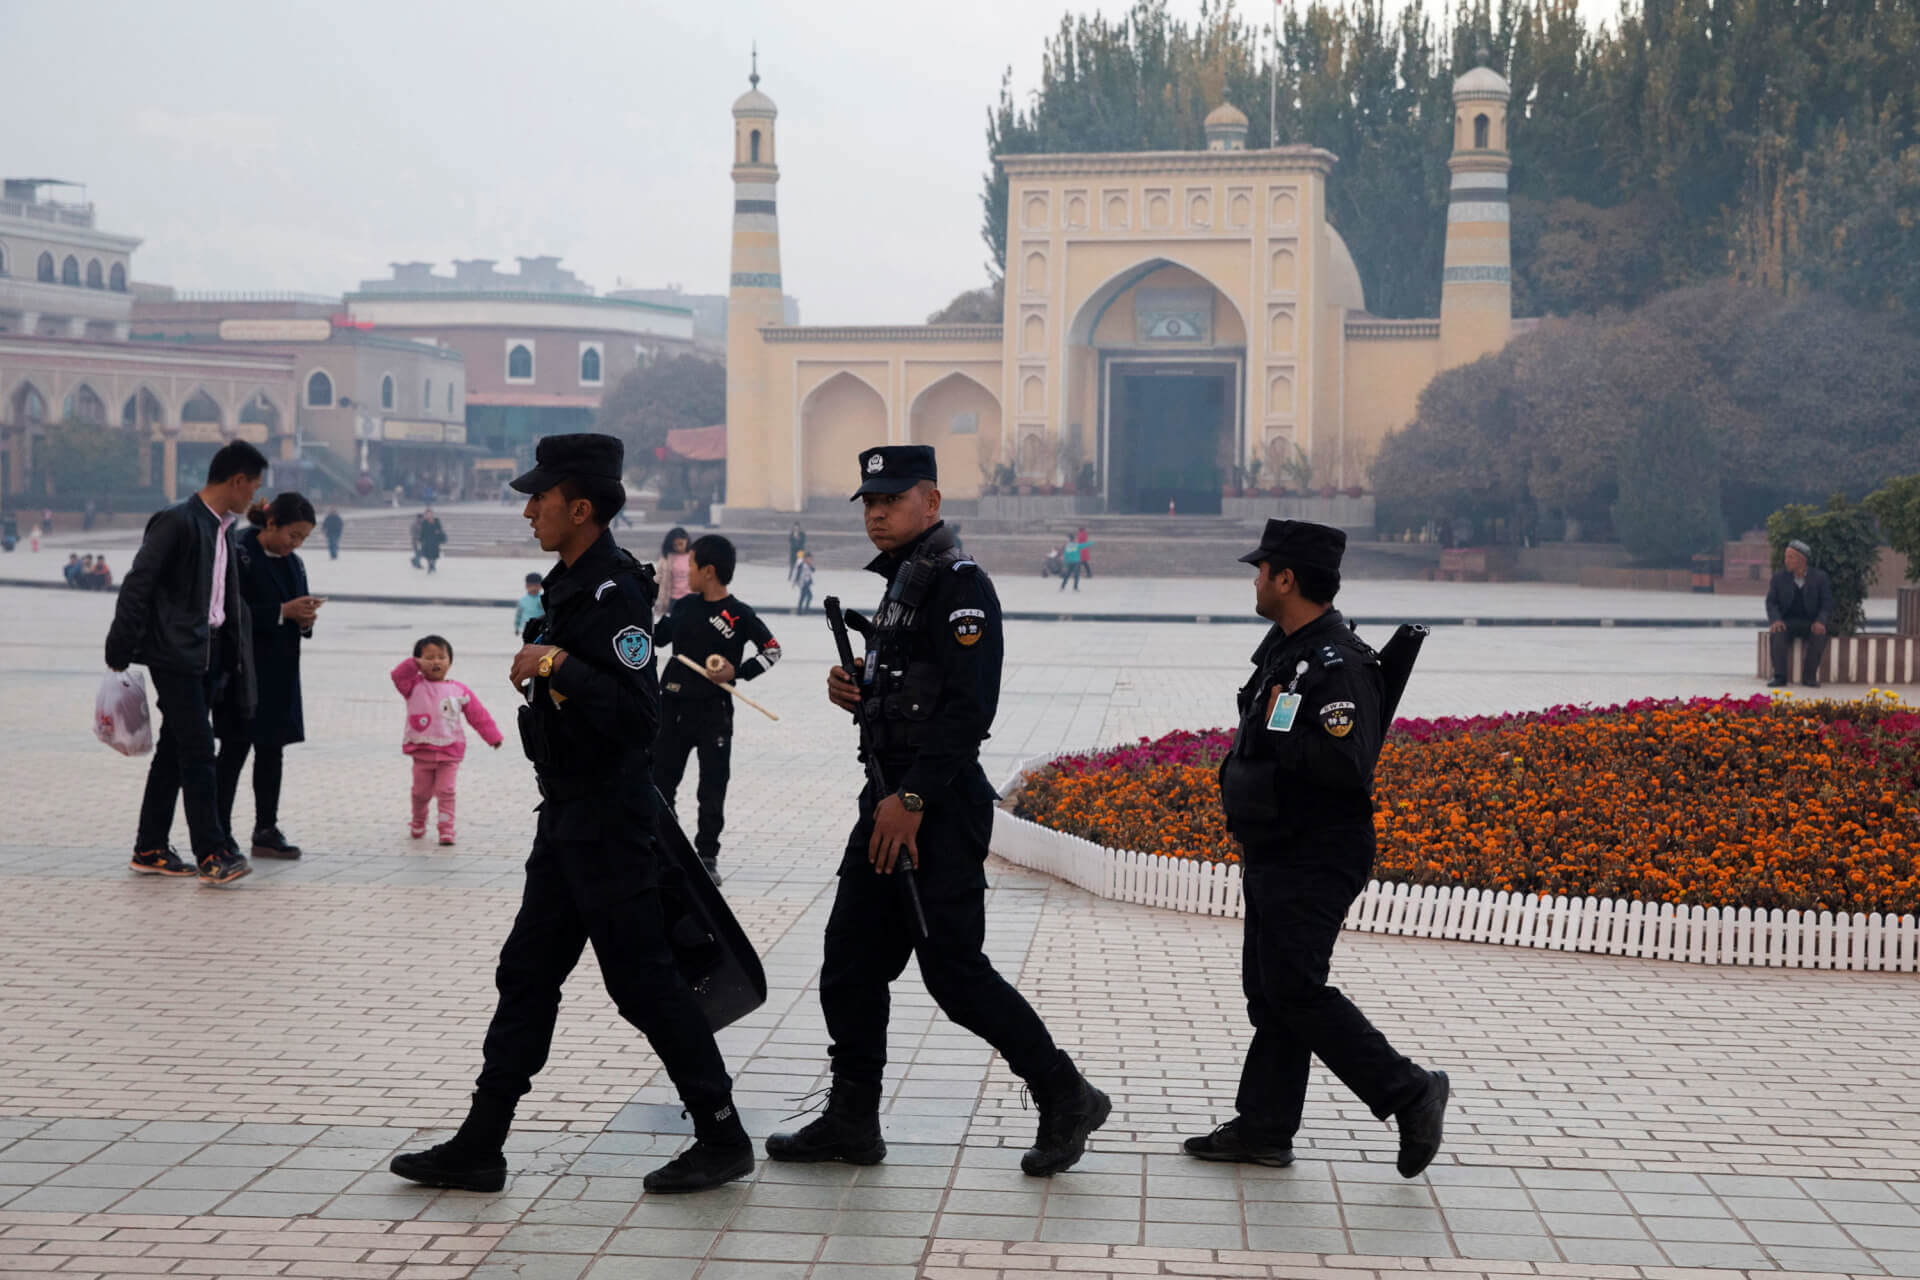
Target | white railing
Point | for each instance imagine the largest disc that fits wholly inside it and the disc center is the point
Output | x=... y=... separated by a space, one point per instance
x=1601 y=926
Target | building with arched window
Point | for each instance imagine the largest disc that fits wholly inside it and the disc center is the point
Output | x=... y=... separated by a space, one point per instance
x=63 y=277
x=1172 y=321
x=540 y=347
x=360 y=423
x=176 y=404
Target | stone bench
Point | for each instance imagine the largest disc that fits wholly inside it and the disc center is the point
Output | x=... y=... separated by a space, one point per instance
x=1875 y=660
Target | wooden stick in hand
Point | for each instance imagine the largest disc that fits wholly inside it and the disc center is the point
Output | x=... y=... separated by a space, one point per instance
x=681 y=657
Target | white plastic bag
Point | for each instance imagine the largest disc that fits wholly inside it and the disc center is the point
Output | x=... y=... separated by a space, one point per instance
x=120 y=716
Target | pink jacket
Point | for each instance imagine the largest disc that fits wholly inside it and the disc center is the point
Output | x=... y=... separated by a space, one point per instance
x=434 y=710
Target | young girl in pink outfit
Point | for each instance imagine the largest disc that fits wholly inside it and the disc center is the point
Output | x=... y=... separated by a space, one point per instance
x=434 y=737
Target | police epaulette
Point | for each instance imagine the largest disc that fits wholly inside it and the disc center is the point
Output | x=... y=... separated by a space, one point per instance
x=1330 y=657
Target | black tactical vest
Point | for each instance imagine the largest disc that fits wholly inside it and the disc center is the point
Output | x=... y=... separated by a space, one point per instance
x=901 y=674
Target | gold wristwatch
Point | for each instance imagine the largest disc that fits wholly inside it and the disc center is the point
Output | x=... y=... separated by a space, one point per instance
x=911 y=802
x=545 y=669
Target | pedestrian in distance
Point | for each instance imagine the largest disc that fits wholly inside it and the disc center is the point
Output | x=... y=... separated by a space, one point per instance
x=673 y=570
x=1799 y=607
x=803 y=574
x=711 y=627
x=926 y=692
x=273 y=589
x=1086 y=552
x=435 y=738
x=1071 y=572
x=528 y=608
x=796 y=543
x=413 y=536
x=433 y=536
x=102 y=577
x=333 y=526
x=1297 y=788
x=180 y=612
x=73 y=569
x=595 y=872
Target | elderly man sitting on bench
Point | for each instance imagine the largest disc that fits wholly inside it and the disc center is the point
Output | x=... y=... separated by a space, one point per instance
x=1799 y=607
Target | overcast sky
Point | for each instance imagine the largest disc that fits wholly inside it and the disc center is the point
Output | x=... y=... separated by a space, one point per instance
x=304 y=146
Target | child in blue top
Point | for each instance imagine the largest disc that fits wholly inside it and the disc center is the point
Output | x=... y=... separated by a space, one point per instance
x=529 y=607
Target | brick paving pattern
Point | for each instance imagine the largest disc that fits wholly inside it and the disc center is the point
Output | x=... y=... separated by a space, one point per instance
x=201 y=1082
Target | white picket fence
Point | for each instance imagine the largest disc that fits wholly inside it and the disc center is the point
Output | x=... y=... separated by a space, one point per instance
x=1603 y=926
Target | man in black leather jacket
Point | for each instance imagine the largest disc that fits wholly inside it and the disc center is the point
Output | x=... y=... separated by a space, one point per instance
x=1297 y=787
x=181 y=615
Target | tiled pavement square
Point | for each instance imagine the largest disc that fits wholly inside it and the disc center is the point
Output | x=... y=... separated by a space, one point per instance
x=1613 y=1117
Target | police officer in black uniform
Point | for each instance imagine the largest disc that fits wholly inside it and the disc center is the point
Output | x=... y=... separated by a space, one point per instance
x=1297 y=786
x=927 y=689
x=595 y=872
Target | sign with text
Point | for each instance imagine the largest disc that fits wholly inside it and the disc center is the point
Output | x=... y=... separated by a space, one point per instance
x=275 y=330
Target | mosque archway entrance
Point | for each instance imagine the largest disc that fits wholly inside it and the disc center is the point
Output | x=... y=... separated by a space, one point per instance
x=1171 y=430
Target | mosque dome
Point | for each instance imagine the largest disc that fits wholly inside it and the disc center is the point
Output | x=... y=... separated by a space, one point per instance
x=1482 y=82
x=1226 y=128
x=754 y=103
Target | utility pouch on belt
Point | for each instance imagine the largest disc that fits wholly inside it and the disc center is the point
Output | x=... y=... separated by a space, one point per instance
x=532 y=740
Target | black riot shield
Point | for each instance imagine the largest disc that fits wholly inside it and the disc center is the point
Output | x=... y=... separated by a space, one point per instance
x=1396 y=665
x=709 y=947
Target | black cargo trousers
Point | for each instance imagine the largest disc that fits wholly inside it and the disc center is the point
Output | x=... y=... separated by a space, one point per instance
x=594 y=876
x=1297 y=897
x=871 y=935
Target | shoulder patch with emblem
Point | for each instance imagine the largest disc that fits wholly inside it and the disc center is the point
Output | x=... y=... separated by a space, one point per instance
x=1337 y=718
x=966 y=624
x=632 y=646
x=1330 y=657
x=601 y=590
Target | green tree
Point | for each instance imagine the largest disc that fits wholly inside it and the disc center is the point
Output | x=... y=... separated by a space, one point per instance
x=985 y=305
x=1896 y=506
x=1798 y=399
x=1669 y=503
x=79 y=458
x=1691 y=141
x=660 y=396
x=1845 y=544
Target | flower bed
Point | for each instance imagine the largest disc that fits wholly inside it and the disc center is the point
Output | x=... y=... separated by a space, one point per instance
x=1762 y=803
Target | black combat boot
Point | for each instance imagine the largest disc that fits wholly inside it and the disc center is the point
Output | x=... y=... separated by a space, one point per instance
x=848 y=1130
x=1421 y=1125
x=1070 y=1110
x=1237 y=1142
x=471 y=1160
x=721 y=1152
x=269 y=843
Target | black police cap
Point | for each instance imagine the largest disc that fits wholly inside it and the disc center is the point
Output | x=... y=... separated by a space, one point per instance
x=585 y=455
x=1299 y=544
x=895 y=468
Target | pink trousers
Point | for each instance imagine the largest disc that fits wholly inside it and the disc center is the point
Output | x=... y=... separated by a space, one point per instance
x=433 y=778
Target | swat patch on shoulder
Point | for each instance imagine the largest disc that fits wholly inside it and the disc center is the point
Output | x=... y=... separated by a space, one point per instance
x=1337 y=718
x=632 y=646
x=966 y=625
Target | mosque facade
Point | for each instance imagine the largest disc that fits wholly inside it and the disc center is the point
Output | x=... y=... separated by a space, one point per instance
x=1171 y=319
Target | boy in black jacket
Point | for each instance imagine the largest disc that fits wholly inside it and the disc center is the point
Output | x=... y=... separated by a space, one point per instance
x=712 y=628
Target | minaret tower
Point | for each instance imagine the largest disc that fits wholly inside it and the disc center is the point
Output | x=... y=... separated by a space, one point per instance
x=1476 y=291
x=754 y=297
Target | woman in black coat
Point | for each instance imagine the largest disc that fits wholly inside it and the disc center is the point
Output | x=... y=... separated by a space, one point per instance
x=273 y=585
